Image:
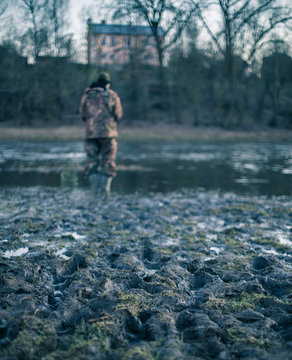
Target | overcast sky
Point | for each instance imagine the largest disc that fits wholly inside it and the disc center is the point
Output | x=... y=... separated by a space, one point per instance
x=76 y=20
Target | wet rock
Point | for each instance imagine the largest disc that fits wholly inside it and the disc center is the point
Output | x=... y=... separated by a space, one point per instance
x=165 y=259
x=205 y=339
x=113 y=256
x=249 y=353
x=64 y=343
x=116 y=252
x=200 y=279
x=287 y=333
x=249 y=316
x=160 y=325
x=104 y=285
x=276 y=287
x=70 y=319
x=62 y=283
x=235 y=276
x=232 y=292
x=260 y=263
x=152 y=265
x=148 y=252
x=210 y=266
x=8 y=331
x=155 y=288
x=134 y=281
x=188 y=319
x=146 y=315
x=134 y=327
x=251 y=287
x=35 y=339
x=101 y=305
x=85 y=292
x=210 y=348
x=193 y=265
x=225 y=321
x=77 y=262
x=216 y=348
x=281 y=318
x=16 y=286
x=184 y=320
x=273 y=305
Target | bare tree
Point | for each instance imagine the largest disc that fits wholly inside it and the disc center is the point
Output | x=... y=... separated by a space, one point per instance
x=56 y=17
x=243 y=29
x=170 y=15
x=244 y=26
x=4 y=20
x=3 y=7
x=34 y=12
x=45 y=23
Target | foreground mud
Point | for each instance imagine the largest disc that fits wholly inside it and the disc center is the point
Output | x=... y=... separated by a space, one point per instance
x=177 y=276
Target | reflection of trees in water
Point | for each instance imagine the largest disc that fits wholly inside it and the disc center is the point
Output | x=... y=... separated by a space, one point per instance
x=247 y=168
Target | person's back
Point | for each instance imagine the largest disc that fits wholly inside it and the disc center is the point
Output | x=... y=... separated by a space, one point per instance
x=101 y=109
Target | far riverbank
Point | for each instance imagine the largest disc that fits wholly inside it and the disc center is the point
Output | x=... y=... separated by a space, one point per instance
x=144 y=132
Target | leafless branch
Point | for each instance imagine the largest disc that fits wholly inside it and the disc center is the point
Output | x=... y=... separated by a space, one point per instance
x=206 y=26
x=264 y=33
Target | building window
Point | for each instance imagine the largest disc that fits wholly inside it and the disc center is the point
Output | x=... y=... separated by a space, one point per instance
x=128 y=41
x=113 y=41
x=103 y=40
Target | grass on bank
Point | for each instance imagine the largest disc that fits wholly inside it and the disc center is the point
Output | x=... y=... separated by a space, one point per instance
x=144 y=132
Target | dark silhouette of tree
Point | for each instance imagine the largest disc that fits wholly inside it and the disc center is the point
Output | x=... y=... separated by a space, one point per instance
x=3 y=7
x=61 y=43
x=245 y=25
x=170 y=15
x=277 y=74
x=244 y=29
x=34 y=12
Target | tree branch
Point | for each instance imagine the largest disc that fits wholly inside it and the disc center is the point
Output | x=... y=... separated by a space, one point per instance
x=211 y=34
x=266 y=32
x=260 y=9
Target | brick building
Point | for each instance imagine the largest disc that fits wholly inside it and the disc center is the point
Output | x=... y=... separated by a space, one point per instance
x=121 y=44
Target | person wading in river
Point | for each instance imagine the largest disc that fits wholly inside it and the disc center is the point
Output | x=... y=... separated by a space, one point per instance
x=101 y=109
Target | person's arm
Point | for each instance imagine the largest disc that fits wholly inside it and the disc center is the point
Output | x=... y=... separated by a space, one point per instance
x=118 y=110
x=82 y=107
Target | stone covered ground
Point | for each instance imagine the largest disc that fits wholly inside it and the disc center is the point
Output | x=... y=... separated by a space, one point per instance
x=186 y=275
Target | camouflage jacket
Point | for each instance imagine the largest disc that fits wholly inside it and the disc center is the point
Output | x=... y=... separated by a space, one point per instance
x=101 y=110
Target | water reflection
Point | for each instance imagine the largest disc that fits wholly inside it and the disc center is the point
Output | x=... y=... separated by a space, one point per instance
x=151 y=166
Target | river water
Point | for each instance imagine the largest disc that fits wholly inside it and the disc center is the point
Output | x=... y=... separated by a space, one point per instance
x=243 y=168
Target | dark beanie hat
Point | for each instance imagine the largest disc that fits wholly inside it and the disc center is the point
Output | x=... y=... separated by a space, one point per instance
x=104 y=77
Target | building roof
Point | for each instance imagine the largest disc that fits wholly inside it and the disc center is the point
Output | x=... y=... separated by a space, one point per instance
x=123 y=29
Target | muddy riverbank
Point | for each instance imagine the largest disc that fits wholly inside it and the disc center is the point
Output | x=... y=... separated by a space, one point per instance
x=183 y=275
